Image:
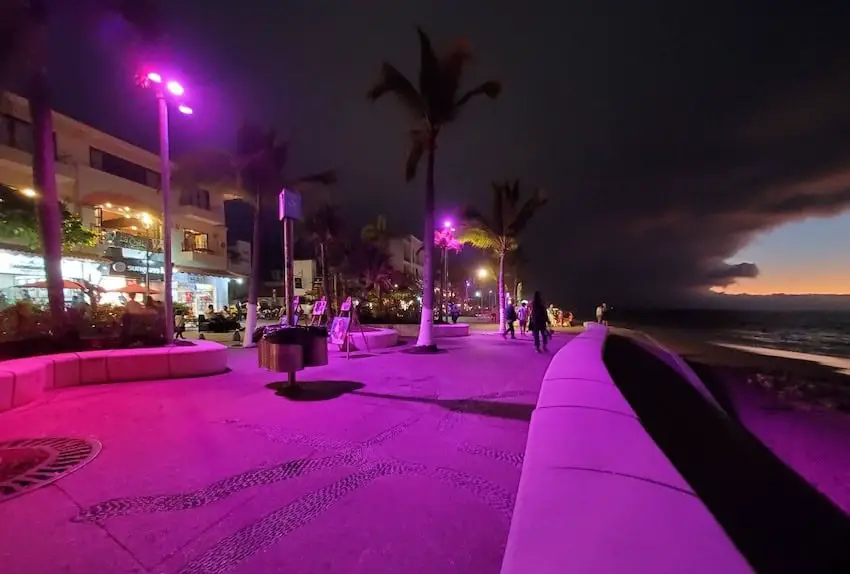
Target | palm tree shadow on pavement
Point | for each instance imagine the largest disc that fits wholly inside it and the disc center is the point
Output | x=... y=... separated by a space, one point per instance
x=309 y=391
x=503 y=410
x=776 y=519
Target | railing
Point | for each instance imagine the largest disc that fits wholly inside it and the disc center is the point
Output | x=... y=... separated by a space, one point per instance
x=114 y=238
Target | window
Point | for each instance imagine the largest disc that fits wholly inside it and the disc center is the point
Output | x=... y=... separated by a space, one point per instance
x=197 y=198
x=299 y=283
x=193 y=241
x=16 y=133
x=120 y=167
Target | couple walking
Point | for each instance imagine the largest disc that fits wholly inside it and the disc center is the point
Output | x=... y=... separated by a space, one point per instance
x=536 y=318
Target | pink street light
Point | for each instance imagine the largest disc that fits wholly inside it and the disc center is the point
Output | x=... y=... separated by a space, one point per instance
x=163 y=96
x=447 y=223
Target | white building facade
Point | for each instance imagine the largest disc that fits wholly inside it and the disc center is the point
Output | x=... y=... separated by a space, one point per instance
x=406 y=255
x=114 y=188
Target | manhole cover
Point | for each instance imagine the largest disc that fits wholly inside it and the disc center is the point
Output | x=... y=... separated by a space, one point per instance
x=27 y=464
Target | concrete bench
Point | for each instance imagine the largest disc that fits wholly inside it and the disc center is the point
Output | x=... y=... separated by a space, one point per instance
x=438 y=330
x=24 y=380
x=596 y=494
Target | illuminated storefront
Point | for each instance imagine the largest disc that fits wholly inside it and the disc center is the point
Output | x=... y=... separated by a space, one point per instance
x=198 y=292
x=20 y=269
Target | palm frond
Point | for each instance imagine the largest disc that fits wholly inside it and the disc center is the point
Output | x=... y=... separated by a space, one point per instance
x=480 y=238
x=491 y=89
x=430 y=80
x=451 y=70
x=526 y=212
x=394 y=82
x=500 y=207
x=418 y=145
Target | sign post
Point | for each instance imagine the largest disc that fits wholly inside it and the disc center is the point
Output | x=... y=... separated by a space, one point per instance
x=289 y=210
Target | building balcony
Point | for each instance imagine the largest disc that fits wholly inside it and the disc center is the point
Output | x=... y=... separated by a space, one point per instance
x=122 y=239
x=190 y=256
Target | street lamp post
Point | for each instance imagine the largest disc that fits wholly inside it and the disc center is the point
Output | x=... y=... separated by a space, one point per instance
x=162 y=91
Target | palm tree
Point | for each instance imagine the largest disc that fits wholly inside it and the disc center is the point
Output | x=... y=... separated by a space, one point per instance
x=324 y=227
x=257 y=170
x=23 y=50
x=500 y=232
x=376 y=232
x=371 y=265
x=434 y=105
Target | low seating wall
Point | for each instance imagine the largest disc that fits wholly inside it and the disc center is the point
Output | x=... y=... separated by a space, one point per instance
x=380 y=339
x=596 y=493
x=439 y=331
x=24 y=380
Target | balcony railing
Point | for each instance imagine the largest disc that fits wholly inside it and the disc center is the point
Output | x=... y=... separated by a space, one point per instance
x=113 y=238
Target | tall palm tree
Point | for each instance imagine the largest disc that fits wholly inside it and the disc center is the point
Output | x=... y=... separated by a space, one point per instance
x=500 y=232
x=256 y=168
x=436 y=103
x=324 y=227
x=23 y=52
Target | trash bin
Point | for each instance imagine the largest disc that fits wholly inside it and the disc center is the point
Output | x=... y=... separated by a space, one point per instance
x=282 y=349
x=316 y=347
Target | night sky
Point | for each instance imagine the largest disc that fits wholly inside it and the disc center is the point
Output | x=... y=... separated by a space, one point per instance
x=668 y=135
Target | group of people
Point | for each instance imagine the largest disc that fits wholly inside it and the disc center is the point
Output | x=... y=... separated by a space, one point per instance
x=535 y=318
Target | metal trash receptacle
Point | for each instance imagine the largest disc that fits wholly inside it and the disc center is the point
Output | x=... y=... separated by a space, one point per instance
x=282 y=349
x=316 y=347
x=282 y=358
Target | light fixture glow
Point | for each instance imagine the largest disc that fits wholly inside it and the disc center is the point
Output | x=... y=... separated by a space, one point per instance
x=107 y=205
x=175 y=88
x=482 y=273
x=447 y=223
x=184 y=109
x=155 y=78
x=29 y=192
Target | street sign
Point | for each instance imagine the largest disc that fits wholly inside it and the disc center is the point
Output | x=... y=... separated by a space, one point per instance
x=289 y=205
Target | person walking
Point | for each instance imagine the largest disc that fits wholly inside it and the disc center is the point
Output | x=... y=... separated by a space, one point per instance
x=539 y=323
x=522 y=315
x=510 y=317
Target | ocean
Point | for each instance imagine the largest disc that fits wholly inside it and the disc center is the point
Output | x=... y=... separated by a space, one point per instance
x=814 y=332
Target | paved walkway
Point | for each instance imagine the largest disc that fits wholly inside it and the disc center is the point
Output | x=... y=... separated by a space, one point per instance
x=413 y=469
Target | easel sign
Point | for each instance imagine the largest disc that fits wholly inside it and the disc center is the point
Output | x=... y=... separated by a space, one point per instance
x=341 y=327
x=318 y=317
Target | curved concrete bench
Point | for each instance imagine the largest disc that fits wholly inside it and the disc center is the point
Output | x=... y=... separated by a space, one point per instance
x=596 y=494
x=379 y=339
x=24 y=380
x=439 y=331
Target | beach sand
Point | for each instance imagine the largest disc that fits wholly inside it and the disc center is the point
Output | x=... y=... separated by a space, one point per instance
x=795 y=404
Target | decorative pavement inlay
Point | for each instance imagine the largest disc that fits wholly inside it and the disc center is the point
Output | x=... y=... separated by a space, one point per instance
x=367 y=460
x=27 y=464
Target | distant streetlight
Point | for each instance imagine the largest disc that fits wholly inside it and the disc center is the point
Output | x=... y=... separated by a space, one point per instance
x=163 y=91
x=482 y=273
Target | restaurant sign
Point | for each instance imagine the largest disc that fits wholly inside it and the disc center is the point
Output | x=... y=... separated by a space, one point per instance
x=136 y=268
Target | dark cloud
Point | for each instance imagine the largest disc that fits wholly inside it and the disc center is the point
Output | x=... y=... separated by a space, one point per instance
x=667 y=133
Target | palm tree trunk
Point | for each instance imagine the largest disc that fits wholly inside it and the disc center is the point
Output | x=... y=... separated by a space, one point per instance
x=426 y=321
x=254 y=279
x=501 y=291
x=44 y=178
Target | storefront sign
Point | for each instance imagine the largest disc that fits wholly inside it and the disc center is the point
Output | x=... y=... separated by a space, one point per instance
x=136 y=268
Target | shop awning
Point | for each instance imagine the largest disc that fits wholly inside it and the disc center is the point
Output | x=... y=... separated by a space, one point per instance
x=207 y=272
x=22 y=250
